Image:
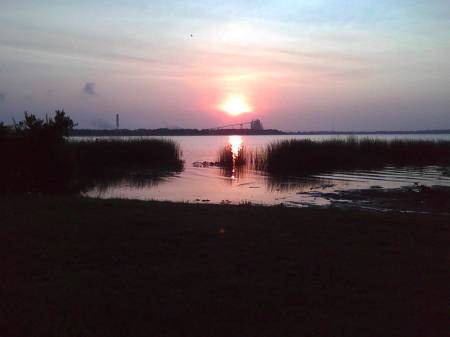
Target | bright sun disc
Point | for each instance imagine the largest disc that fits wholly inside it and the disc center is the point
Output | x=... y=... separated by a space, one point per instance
x=236 y=105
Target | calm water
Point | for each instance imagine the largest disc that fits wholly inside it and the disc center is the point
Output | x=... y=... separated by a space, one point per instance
x=212 y=185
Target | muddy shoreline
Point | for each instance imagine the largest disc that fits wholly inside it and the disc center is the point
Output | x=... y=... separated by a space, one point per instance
x=415 y=199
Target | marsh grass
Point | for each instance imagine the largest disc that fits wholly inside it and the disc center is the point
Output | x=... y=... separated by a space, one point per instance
x=227 y=159
x=293 y=157
x=141 y=162
x=232 y=162
x=38 y=157
x=74 y=166
x=136 y=178
x=103 y=156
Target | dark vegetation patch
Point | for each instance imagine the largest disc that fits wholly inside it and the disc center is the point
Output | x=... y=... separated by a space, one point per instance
x=39 y=158
x=299 y=157
x=139 y=161
x=227 y=157
x=233 y=162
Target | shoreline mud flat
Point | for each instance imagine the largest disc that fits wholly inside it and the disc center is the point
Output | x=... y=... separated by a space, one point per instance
x=414 y=199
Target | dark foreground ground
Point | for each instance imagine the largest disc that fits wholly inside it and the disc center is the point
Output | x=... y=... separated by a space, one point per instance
x=80 y=267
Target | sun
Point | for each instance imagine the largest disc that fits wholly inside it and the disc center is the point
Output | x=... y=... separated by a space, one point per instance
x=236 y=105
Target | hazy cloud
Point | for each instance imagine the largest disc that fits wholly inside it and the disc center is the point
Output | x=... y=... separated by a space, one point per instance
x=89 y=89
x=100 y=123
x=2 y=97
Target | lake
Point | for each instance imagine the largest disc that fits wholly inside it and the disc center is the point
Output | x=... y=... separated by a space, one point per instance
x=211 y=184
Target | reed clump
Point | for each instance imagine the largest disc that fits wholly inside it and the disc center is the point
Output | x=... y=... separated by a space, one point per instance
x=100 y=156
x=229 y=158
x=142 y=161
x=293 y=157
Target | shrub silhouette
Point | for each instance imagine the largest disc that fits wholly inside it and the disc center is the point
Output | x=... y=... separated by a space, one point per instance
x=4 y=131
x=39 y=158
x=35 y=159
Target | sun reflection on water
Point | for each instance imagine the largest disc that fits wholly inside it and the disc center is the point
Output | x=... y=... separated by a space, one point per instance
x=236 y=145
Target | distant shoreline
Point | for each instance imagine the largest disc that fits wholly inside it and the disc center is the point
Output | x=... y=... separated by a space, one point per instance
x=243 y=132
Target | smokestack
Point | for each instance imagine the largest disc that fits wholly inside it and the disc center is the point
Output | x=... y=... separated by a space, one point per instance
x=117 y=121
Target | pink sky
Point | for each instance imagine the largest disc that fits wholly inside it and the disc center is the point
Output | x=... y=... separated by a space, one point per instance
x=312 y=65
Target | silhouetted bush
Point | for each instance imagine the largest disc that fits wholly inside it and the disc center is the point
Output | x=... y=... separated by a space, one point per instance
x=34 y=157
x=294 y=157
x=39 y=158
x=4 y=130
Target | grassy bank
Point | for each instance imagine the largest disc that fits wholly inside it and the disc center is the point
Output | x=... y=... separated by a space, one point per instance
x=307 y=156
x=84 y=267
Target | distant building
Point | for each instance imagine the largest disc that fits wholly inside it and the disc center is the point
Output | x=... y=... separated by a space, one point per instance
x=117 y=122
x=256 y=125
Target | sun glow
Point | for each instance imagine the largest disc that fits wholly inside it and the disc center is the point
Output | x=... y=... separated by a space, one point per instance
x=236 y=105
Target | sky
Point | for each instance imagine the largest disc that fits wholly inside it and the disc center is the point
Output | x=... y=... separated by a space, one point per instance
x=296 y=65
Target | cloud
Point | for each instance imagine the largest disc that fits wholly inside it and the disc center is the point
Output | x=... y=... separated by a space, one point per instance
x=89 y=89
x=100 y=123
x=84 y=52
x=2 y=97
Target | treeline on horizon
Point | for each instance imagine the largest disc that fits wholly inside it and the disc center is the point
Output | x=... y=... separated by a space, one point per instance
x=171 y=132
x=229 y=132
